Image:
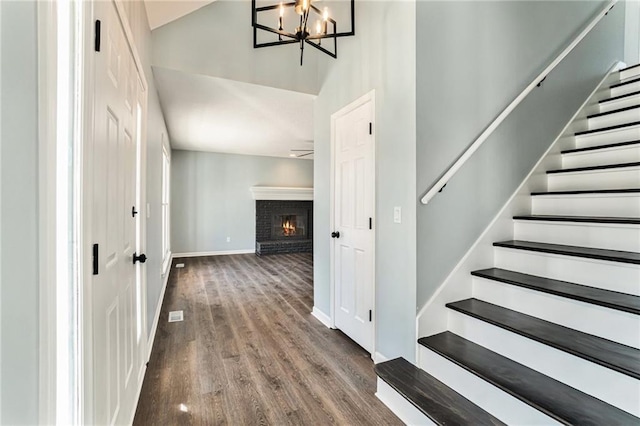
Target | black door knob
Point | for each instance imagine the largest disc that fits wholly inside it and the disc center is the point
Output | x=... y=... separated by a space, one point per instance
x=142 y=258
x=335 y=234
x=134 y=212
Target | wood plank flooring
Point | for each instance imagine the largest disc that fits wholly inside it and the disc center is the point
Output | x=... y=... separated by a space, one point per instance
x=249 y=352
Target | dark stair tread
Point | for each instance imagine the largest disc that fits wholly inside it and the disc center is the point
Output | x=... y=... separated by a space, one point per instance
x=600 y=114
x=621 y=358
x=589 y=168
x=434 y=399
x=599 y=147
x=588 y=191
x=597 y=296
x=582 y=219
x=576 y=251
x=557 y=400
x=615 y=98
x=624 y=83
x=606 y=129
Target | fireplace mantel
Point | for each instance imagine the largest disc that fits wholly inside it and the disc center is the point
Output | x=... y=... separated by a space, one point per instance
x=281 y=193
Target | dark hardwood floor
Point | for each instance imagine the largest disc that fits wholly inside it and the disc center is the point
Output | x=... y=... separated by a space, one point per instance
x=249 y=352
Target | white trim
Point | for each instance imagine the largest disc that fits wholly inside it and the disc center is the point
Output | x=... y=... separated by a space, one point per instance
x=368 y=97
x=164 y=268
x=400 y=406
x=0 y=212
x=322 y=317
x=214 y=253
x=47 y=197
x=378 y=358
x=281 y=193
x=152 y=334
x=503 y=220
x=440 y=183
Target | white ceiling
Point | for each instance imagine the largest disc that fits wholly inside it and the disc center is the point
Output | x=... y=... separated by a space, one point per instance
x=160 y=12
x=206 y=113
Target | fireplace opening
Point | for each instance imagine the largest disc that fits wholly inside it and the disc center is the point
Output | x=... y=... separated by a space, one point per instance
x=289 y=226
x=284 y=226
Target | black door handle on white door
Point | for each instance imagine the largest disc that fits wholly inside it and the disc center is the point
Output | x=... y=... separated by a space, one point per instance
x=142 y=258
x=335 y=234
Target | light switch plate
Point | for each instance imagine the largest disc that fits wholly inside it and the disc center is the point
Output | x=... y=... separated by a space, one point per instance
x=397 y=214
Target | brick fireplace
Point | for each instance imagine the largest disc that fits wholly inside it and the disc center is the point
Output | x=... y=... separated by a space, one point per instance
x=283 y=225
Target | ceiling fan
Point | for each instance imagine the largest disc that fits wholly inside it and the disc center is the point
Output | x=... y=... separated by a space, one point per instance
x=304 y=152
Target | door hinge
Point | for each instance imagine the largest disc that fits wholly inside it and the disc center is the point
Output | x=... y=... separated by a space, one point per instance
x=97 y=35
x=370 y=315
x=370 y=128
x=370 y=223
x=95 y=259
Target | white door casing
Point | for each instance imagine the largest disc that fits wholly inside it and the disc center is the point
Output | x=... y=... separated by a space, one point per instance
x=353 y=252
x=117 y=352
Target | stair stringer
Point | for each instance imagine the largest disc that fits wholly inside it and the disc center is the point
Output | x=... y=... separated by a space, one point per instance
x=433 y=317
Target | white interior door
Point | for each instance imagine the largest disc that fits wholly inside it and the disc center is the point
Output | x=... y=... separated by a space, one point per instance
x=115 y=309
x=353 y=235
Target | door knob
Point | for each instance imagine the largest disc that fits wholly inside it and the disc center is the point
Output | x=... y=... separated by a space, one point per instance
x=335 y=234
x=142 y=258
x=134 y=212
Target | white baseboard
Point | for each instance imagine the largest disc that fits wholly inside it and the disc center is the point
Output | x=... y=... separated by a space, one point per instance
x=214 y=253
x=322 y=317
x=156 y=318
x=378 y=358
x=402 y=408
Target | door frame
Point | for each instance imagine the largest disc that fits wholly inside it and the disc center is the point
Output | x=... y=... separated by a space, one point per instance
x=85 y=334
x=368 y=97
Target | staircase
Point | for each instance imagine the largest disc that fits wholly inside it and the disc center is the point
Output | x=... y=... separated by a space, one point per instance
x=551 y=332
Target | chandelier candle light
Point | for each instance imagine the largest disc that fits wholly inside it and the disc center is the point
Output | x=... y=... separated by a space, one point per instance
x=305 y=9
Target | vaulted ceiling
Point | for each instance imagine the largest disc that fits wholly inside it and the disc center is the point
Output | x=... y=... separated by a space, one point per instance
x=220 y=94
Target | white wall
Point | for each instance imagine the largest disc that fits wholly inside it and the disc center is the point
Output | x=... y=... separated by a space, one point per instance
x=211 y=200
x=18 y=218
x=382 y=57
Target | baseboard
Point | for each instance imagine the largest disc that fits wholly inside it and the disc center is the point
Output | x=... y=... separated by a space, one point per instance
x=322 y=317
x=378 y=358
x=399 y=406
x=156 y=317
x=214 y=253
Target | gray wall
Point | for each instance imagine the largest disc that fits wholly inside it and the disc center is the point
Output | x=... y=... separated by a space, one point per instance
x=19 y=204
x=210 y=197
x=382 y=57
x=473 y=59
x=223 y=30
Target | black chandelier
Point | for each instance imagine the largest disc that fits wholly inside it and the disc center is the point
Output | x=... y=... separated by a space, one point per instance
x=325 y=26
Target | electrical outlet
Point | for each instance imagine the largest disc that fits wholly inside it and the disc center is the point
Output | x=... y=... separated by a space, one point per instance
x=228 y=239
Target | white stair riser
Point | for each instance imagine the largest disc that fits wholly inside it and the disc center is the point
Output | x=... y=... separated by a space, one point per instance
x=603 y=383
x=614 y=119
x=611 y=324
x=627 y=88
x=624 y=154
x=614 y=205
x=622 y=277
x=630 y=73
x=604 y=138
x=486 y=396
x=618 y=178
x=400 y=406
x=595 y=235
x=619 y=103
